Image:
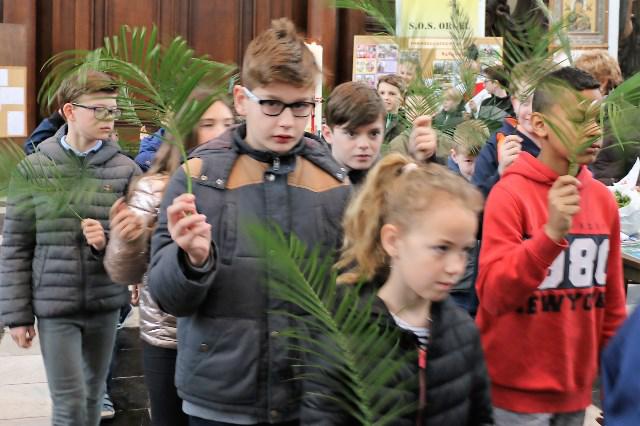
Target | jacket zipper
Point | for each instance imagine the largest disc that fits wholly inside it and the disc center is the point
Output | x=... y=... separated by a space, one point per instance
x=422 y=378
x=276 y=164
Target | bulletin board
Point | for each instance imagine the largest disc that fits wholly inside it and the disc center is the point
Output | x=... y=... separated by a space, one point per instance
x=375 y=56
x=13 y=106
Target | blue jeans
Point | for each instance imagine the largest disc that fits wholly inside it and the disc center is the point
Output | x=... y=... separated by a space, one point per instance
x=76 y=350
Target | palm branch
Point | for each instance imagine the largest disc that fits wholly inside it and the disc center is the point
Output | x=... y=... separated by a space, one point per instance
x=537 y=46
x=350 y=359
x=421 y=99
x=621 y=108
x=380 y=10
x=616 y=115
x=155 y=81
x=470 y=136
x=10 y=156
x=39 y=176
x=461 y=35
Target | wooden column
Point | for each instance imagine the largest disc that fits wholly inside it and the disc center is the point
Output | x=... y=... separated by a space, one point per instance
x=352 y=22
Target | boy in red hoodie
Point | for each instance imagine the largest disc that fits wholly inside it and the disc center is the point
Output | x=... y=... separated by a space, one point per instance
x=550 y=280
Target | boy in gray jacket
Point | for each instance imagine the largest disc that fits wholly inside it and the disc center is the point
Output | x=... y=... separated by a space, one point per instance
x=51 y=258
x=233 y=366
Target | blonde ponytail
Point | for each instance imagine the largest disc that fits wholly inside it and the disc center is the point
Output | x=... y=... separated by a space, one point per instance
x=363 y=219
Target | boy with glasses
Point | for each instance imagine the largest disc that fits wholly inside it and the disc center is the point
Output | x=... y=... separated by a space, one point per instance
x=232 y=365
x=52 y=248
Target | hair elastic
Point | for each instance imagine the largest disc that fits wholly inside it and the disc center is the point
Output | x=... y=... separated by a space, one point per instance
x=408 y=167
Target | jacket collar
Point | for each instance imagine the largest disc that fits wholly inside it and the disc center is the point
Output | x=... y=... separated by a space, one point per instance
x=232 y=144
x=53 y=149
x=286 y=162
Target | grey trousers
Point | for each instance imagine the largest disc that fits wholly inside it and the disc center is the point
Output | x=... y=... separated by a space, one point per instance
x=76 y=351
x=509 y=418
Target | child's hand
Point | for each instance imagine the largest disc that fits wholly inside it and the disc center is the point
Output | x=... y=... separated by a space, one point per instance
x=189 y=229
x=124 y=223
x=23 y=335
x=564 y=203
x=94 y=234
x=509 y=151
x=423 y=140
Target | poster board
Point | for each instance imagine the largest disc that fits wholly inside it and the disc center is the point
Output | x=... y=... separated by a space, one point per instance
x=375 y=56
x=414 y=19
x=13 y=103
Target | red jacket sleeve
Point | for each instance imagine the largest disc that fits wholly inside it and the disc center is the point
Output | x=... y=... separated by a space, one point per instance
x=511 y=267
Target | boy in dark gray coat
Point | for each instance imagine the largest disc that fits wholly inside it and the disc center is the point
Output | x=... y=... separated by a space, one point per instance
x=53 y=242
x=233 y=366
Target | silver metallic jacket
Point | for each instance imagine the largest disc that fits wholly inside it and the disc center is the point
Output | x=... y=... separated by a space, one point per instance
x=127 y=261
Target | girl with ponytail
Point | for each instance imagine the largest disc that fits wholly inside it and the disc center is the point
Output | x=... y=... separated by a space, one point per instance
x=407 y=235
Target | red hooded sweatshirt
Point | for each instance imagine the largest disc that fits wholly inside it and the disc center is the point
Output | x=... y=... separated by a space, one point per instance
x=547 y=309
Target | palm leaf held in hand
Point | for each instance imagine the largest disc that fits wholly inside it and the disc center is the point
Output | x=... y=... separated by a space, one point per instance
x=155 y=81
x=346 y=359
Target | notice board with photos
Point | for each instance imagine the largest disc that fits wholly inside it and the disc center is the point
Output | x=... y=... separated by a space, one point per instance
x=13 y=106
x=375 y=56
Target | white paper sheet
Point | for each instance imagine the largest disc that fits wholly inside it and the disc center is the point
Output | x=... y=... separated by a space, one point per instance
x=15 y=123
x=12 y=95
x=4 y=77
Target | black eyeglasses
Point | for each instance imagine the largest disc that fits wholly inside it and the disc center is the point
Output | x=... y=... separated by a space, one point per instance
x=102 y=113
x=274 y=108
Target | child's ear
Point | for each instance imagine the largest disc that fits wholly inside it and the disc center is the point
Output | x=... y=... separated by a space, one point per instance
x=540 y=128
x=239 y=99
x=67 y=112
x=452 y=152
x=389 y=238
x=327 y=134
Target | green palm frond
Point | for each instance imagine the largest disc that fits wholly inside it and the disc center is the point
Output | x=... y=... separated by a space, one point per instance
x=350 y=359
x=462 y=37
x=10 y=156
x=620 y=111
x=155 y=81
x=381 y=10
x=537 y=46
x=421 y=99
x=558 y=30
x=470 y=136
x=63 y=188
x=616 y=115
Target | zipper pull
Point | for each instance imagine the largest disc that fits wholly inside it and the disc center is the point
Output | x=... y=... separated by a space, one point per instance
x=276 y=164
x=422 y=358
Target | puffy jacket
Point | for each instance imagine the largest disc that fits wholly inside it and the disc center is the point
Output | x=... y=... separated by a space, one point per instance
x=457 y=383
x=46 y=267
x=46 y=129
x=127 y=262
x=486 y=174
x=230 y=358
x=148 y=148
x=620 y=375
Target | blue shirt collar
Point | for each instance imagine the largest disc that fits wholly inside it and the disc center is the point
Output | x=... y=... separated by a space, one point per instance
x=65 y=145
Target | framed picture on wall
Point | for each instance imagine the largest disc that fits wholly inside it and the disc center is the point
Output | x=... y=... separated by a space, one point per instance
x=587 y=21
